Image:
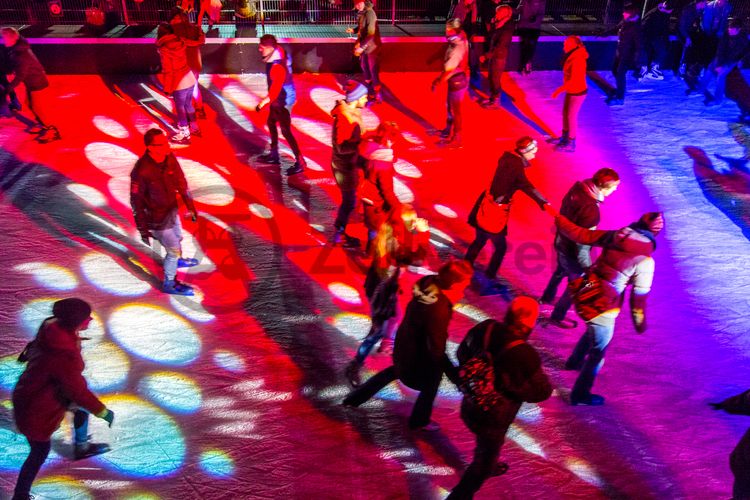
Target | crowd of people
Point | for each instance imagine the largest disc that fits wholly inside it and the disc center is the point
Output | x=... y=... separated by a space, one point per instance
x=498 y=369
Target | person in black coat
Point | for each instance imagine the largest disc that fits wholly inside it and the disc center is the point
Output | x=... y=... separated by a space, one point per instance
x=629 y=40
x=580 y=205
x=26 y=69
x=739 y=459
x=529 y=27
x=518 y=377
x=733 y=47
x=655 y=41
x=419 y=358
x=509 y=178
x=499 y=36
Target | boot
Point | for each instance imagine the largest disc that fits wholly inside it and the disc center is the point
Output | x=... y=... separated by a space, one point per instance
x=567 y=147
x=561 y=141
x=297 y=168
x=48 y=135
x=174 y=287
x=271 y=157
x=351 y=372
x=88 y=449
x=182 y=136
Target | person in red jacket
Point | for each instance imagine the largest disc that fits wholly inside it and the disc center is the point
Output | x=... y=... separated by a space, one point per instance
x=575 y=88
x=193 y=37
x=403 y=240
x=155 y=181
x=27 y=70
x=50 y=384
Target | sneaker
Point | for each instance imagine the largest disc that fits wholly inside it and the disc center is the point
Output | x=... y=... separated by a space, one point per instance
x=639 y=75
x=86 y=450
x=270 y=157
x=587 y=400
x=182 y=136
x=352 y=373
x=50 y=134
x=566 y=147
x=490 y=103
x=187 y=262
x=297 y=168
x=174 y=287
x=655 y=73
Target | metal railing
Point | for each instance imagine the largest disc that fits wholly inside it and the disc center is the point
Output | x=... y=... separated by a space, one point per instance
x=291 y=12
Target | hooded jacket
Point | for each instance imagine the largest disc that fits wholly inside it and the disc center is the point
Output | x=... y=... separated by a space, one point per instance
x=346 y=137
x=419 y=348
x=368 y=32
x=26 y=67
x=625 y=260
x=52 y=381
x=574 y=71
x=176 y=72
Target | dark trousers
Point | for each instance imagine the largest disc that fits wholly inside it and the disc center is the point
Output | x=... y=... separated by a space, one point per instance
x=455 y=121
x=348 y=204
x=501 y=246
x=281 y=116
x=370 y=64
x=698 y=56
x=622 y=65
x=490 y=429
x=655 y=49
x=569 y=268
x=420 y=415
x=529 y=39
x=30 y=468
x=498 y=60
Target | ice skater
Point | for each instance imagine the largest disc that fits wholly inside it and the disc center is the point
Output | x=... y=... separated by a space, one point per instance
x=575 y=88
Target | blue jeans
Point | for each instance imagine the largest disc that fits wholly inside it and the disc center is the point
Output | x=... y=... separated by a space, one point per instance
x=588 y=354
x=170 y=239
x=370 y=64
x=183 y=103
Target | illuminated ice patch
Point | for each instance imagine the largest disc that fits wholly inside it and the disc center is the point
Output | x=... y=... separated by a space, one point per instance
x=191 y=307
x=406 y=169
x=345 y=293
x=216 y=221
x=325 y=98
x=10 y=371
x=471 y=312
x=584 y=471
x=206 y=185
x=446 y=211
x=109 y=225
x=172 y=391
x=411 y=138
x=319 y=131
x=240 y=96
x=229 y=361
x=525 y=441
x=119 y=188
x=60 y=487
x=111 y=159
x=334 y=392
x=261 y=211
x=34 y=312
x=429 y=470
x=236 y=115
x=154 y=334
x=402 y=192
x=141 y=495
x=162 y=99
x=111 y=127
x=90 y=195
x=49 y=276
x=191 y=246
x=314 y=165
x=530 y=413
x=108 y=275
x=153 y=450
x=107 y=366
x=352 y=325
x=216 y=463
x=318 y=227
x=441 y=234
x=235 y=429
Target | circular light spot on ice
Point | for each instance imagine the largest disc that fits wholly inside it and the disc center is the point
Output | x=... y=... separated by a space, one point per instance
x=206 y=185
x=107 y=366
x=216 y=463
x=352 y=325
x=172 y=391
x=345 y=293
x=411 y=138
x=403 y=167
x=154 y=334
x=34 y=312
x=446 y=211
x=325 y=98
x=119 y=188
x=229 y=361
x=191 y=307
x=319 y=131
x=318 y=227
x=111 y=127
x=111 y=159
x=10 y=370
x=92 y=196
x=54 y=487
x=240 y=96
x=314 y=165
x=153 y=450
x=49 y=276
x=261 y=211
x=403 y=193
x=108 y=275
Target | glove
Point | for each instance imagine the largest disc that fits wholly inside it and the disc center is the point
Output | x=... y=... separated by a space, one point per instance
x=107 y=415
x=146 y=237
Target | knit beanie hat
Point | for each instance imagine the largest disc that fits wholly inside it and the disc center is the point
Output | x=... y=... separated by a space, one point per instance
x=526 y=144
x=524 y=311
x=71 y=312
x=354 y=90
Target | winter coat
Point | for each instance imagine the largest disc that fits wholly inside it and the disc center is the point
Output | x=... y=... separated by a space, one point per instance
x=581 y=206
x=688 y=21
x=193 y=37
x=732 y=49
x=379 y=173
x=368 y=32
x=346 y=137
x=509 y=178
x=574 y=71
x=176 y=73
x=531 y=14
x=153 y=190
x=281 y=91
x=629 y=41
x=715 y=18
x=625 y=260
x=656 y=24
x=25 y=67
x=419 y=348
x=52 y=381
